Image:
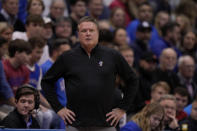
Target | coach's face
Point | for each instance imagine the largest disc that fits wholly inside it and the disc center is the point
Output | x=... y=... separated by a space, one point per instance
x=88 y=34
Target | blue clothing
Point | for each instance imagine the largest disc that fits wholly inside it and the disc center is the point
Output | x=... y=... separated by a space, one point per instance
x=60 y=86
x=131 y=126
x=132 y=28
x=160 y=44
x=5 y=89
x=34 y=76
x=188 y=109
x=22 y=13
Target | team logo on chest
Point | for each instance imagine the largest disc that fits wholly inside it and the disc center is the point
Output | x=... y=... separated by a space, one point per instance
x=100 y=63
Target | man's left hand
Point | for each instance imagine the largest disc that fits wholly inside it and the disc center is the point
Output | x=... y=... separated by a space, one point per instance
x=114 y=116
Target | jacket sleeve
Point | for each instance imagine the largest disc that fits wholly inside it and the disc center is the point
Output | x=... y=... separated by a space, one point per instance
x=130 y=79
x=48 y=83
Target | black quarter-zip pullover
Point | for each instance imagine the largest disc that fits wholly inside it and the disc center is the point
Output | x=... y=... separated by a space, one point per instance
x=90 y=83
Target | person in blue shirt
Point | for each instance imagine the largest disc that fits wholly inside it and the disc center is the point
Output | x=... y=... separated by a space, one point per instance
x=149 y=119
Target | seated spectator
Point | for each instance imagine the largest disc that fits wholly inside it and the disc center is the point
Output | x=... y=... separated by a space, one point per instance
x=188 y=45
x=158 y=90
x=78 y=10
x=141 y=43
x=186 y=69
x=168 y=102
x=98 y=10
x=57 y=9
x=149 y=119
x=7 y=101
x=190 y=123
x=170 y=38
x=128 y=54
x=145 y=13
x=182 y=98
x=27 y=99
x=120 y=37
x=124 y=5
x=9 y=14
x=15 y=68
x=165 y=71
x=161 y=18
x=34 y=28
x=6 y=31
x=117 y=18
x=56 y=48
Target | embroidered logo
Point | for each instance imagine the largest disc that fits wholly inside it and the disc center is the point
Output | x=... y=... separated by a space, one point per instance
x=100 y=63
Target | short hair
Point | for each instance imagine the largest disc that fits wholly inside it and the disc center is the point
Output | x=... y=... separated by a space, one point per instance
x=4 y=26
x=169 y=27
x=18 y=45
x=30 y=2
x=125 y=48
x=37 y=19
x=3 y=41
x=73 y=2
x=53 y=1
x=164 y=85
x=88 y=19
x=63 y=19
x=183 y=58
x=28 y=90
x=181 y=91
x=167 y=97
x=55 y=44
x=37 y=42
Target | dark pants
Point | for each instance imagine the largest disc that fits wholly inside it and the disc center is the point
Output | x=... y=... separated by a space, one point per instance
x=71 y=128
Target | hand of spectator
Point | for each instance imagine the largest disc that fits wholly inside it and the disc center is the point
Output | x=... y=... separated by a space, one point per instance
x=174 y=123
x=114 y=116
x=66 y=115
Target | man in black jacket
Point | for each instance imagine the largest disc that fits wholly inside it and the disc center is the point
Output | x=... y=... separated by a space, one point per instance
x=27 y=99
x=90 y=71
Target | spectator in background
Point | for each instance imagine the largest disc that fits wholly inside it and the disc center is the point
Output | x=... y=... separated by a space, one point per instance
x=56 y=48
x=7 y=100
x=189 y=123
x=57 y=9
x=170 y=39
x=141 y=43
x=186 y=69
x=165 y=71
x=78 y=10
x=188 y=45
x=184 y=23
x=117 y=18
x=168 y=102
x=9 y=14
x=35 y=7
x=97 y=9
x=45 y=115
x=63 y=29
x=151 y=118
x=158 y=89
x=34 y=28
x=27 y=99
x=145 y=13
x=128 y=54
x=122 y=4
x=15 y=68
x=146 y=72
x=6 y=31
x=120 y=37
x=161 y=19
x=182 y=99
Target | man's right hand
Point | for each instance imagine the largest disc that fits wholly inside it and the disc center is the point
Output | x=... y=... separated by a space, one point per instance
x=66 y=115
